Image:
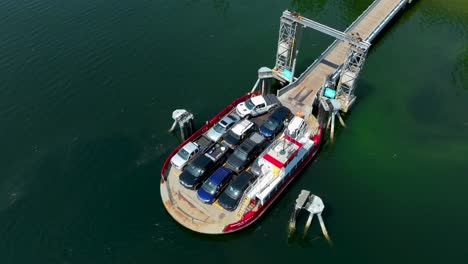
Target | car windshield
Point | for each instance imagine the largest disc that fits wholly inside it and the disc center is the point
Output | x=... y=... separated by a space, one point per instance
x=249 y=104
x=194 y=170
x=183 y=154
x=271 y=124
x=232 y=192
x=232 y=138
x=242 y=155
x=209 y=187
x=218 y=128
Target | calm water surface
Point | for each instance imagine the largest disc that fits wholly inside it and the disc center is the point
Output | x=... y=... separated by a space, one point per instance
x=86 y=93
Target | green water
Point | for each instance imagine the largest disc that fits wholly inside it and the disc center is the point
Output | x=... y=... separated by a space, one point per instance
x=86 y=93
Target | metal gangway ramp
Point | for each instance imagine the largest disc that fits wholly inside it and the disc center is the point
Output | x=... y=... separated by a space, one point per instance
x=302 y=91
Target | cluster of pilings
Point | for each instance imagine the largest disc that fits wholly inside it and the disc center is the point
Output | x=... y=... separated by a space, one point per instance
x=314 y=205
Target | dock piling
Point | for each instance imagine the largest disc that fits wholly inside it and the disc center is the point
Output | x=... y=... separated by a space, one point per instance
x=309 y=221
x=185 y=120
x=314 y=205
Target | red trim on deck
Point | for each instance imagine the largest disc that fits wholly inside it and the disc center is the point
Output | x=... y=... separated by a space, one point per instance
x=290 y=139
x=273 y=161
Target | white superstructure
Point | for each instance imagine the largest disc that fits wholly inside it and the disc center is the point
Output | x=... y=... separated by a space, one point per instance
x=280 y=159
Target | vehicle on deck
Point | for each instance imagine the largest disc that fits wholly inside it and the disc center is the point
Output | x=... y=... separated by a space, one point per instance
x=186 y=153
x=257 y=105
x=229 y=199
x=246 y=152
x=275 y=122
x=218 y=152
x=196 y=172
x=212 y=187
x=238 y=132
x=216 y=132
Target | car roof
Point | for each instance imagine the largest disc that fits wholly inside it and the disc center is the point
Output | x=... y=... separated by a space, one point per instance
x=190 y=147
x=228 y=120
x=202 y=161
x=247 y=146
x=280 y=112
x=257 y=138
x=241 y=127
x=257 y=100
x=219 y=175
x=241 y=180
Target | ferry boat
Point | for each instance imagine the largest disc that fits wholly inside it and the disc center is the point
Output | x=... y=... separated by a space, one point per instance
x=272 y=169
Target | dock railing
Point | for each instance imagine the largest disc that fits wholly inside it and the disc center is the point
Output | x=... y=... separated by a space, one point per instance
x=326 y=52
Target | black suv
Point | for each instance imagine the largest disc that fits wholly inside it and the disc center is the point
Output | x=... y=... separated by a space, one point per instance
x=246 y=152
x=229 y=199
x=196 y=172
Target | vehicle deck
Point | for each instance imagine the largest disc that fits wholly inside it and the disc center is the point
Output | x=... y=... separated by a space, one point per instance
x=185 y=207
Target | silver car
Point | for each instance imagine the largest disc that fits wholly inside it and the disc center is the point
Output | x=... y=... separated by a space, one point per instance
x=182 y=157
x=218 y=130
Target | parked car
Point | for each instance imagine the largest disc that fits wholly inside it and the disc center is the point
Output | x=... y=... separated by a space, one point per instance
x=229 y=199
x=246 y=152
x=196 y=172
x=257 y=105
x=212 y=187
x=218 y=130
x=238 y=132
x=275 y=122
x=186 y=153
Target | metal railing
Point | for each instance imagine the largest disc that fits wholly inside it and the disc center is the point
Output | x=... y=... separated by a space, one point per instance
x=326 y=52
x=386 y=20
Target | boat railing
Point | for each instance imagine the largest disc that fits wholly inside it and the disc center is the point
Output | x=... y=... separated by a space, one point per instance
x=203 y=129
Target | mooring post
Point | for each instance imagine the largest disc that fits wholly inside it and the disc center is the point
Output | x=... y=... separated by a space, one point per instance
x=173 y=126
x=265 y=75
x=309 y=221
x=292 y=221
x=332 y=126
x=324 y=229
x=185 y=121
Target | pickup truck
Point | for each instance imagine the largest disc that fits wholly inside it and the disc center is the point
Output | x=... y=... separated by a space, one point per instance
x=190 y=151
x=257 y=105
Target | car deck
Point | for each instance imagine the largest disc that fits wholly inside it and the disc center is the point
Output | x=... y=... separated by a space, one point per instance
x=185 y=207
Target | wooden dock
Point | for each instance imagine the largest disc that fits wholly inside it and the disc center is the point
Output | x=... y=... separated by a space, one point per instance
x=303 y=91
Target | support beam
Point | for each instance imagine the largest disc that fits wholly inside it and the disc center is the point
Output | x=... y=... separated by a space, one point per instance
x=325 y=29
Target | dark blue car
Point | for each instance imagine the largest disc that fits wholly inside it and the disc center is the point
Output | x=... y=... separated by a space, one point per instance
x=274 y=123
x=214 y=185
